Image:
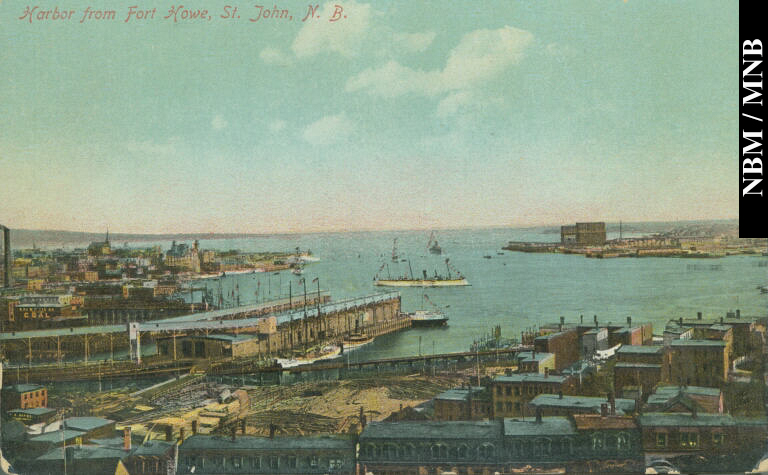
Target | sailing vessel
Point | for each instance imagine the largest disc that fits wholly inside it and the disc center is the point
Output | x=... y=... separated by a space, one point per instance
x=355 y=341
x=433 y=246
x=436 y=280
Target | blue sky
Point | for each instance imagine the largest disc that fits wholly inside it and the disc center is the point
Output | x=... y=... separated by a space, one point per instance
x=403 y=115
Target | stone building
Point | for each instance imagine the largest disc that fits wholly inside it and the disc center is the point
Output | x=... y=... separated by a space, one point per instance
x=512 y=392
x=699 y=362
x=207 y=455
x=583 y=234
x=463 y=404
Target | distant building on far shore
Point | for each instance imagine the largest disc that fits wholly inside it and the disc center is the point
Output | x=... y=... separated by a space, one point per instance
x=583 y=234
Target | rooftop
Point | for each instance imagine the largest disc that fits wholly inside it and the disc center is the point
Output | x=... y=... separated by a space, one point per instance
x=23 y=388
x=694 y=390
x=57 y=436
x=637 y=365
x=549 y=336
x=86 y=452
x=577 y=402
x=86 y=423
x=36 y=411
x=530 y=356
x=530 y=378
x=592 y=421
x=458 y=394
x=247 y=442
x=432 y=430
x=641 y=349
x=153 y=447
x=697 y=343
x=679 y=419
x=721 y=327
x=547 y=426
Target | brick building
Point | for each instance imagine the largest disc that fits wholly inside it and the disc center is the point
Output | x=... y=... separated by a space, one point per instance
x=24 y=396
x=463 y=404
x=699 y=362
x=512 y=393
x=563 y=344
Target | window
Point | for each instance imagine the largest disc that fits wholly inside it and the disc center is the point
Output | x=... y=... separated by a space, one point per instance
x=517 y=391
x=661 y=439
x=255 y=462
x=718 y=438
x=486 y=451
x=499 y=407
x=689 y=439
x=314 y=461
x=509 y=407
x=274 y=462
x=508 y=391
x=292 y=462
x=597 y=442
x=335 y=464
x=622 y=441
x=498 y=390
x=237 y=462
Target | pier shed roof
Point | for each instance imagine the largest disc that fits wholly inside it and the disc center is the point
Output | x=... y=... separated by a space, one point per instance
x=432 y=430
x=555 y=425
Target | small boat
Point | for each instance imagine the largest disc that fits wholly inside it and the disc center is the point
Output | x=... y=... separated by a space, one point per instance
x=326 y=353
x=355 y=341
x=297 y=271
x=486 y=257
x=433 y=246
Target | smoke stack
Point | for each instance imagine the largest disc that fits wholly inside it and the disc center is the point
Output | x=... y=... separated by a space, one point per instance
x=698 y=315
x=721 y=320
x=581 y=319
x=194 y=427
x=6 y=257
x=562 y=322
x=613 y=407
x=362 y=418
x=629 y=320
x=127 y=438
x=738 y=313
x=680 y=321
x=546 y=372
x=603 y=409
x=169 y=433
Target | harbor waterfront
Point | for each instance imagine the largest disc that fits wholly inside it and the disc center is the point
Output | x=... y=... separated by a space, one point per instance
x=515 y=290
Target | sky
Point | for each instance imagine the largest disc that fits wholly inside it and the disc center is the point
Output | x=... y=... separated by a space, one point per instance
x=400 y=115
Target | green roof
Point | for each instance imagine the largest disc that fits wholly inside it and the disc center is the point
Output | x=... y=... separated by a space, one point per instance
x=432 y=430
x=529 y=356
x=86 y=423
x=637 y=365
x=57 y=436
x=458 y=394
x=246 y=442
x=641 y=349
x=579 y=402
x=697 y=343
x=694 y=390
x=721 y=328
x=24 y=388
x=530 y=378
x=86 y=452
x=679 y=419
x=153 y=447
x=35 y=411
x=547 y=426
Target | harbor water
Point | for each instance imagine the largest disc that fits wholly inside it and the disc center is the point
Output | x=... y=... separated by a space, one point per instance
x=515 y=290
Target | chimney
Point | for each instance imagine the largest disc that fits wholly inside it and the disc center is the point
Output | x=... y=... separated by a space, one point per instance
x=613 y=407
x=182 y=434
x=681 y=321
x=234 y=433
x=538 y=415
x=581 y=319
x=169 y=433
x=559 y=394
x=738 y=313
x=698 y=315
x=242 y=426
x=603 y=409
x=546 y=372
x=721 y=320
x=595 y=321
x=127 y=438
x=362 y=418
x=562 y=322
x=629 y=320
x=194 y=427
x=272 y=429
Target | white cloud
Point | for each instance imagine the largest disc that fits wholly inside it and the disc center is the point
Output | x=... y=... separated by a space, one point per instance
x=277 y=125
x=479 y=56
x=344 y=37
x=218 y=122
x=275 y=56
x=413 y=42
x=453 y=102
x=328 y=130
